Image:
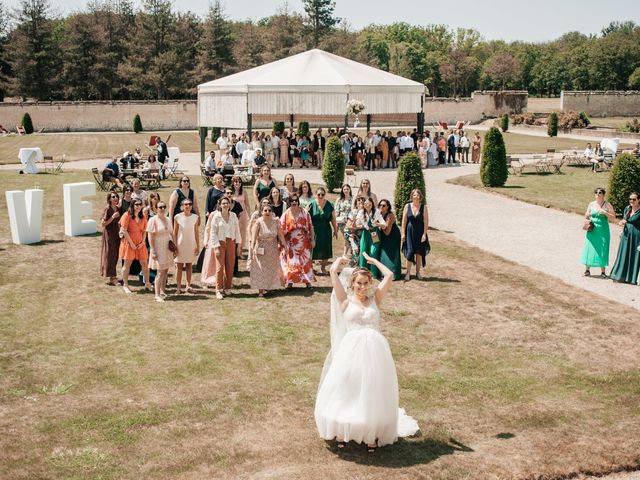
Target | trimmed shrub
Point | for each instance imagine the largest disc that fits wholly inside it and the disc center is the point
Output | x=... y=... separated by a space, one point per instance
x=504 y=122
x=409 y=177
x=624 y=179
x=570 y=120
x=333 y=165
x=303 y=129
x=633 y=126
x=278 y=127
x=493 y=169
x=552 y=129
x=137 y=123
x=585 y=119
x=27 y=123
x=215 y=134
x=526 y=118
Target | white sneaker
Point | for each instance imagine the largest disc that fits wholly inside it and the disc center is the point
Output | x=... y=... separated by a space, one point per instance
x=219 y=295
x=126 y=289
x=159 y=299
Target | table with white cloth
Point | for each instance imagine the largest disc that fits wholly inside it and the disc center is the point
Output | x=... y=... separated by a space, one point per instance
x=174 y=153
x=28 y=157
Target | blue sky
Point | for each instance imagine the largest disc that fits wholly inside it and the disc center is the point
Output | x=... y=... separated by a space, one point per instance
x=537 y=21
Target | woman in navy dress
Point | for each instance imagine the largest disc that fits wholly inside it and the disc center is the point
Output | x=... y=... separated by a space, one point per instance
x=415 y=242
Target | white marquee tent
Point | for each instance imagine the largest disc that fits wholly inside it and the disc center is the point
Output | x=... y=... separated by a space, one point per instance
x=310 y=83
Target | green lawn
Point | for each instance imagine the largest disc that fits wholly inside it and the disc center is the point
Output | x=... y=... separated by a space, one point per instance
x=510 y=373
x=570 y=191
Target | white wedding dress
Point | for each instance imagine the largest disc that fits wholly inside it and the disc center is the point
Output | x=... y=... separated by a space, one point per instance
x=358 y=393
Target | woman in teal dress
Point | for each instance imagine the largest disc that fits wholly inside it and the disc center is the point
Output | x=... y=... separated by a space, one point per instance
x=595 y=252
x=303 y=147
x=263 y=185
x=371 y=221
x=305 y=194
x=390 y=240
x=627 y=264
x=323 y=218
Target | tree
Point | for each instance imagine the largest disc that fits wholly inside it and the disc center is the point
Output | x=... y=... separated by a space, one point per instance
x=216 y=58
x=5 y=69
x=552 y=129
x=34 y=56
x=137 y=123
x=502 y=68
x=27 y=123
x=457 y=69
x=504 y=122
x=623 y=180
x=333 y=165
x=493 y=169
x=320 y=18
x=409 y=178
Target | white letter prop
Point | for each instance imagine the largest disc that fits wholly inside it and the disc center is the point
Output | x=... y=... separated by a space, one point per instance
x=25 y=215
x=75 y=208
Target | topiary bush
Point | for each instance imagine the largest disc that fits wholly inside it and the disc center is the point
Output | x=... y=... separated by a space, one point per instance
x=278 y=127
x=624 y=179
x=585 y=119
x=27 y=123
x=552 y=128
x=409 y=177
x=303 y=129
x=215 y=134
x=333 y=165
x=137 y=123
x=504 y=122
x=493 y=168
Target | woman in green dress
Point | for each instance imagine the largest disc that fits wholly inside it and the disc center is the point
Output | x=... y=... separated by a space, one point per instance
x=370 y=242
x=263 y=185
x=305 y=193
x=595 y=252
x=627 y=264
x=303 y=147
x=390 y=240
x=323 y=217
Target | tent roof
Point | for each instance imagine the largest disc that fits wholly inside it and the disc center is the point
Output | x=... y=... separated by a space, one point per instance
x=304 y=71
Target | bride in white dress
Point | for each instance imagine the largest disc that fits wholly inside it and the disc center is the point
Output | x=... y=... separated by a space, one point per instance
x=358 y=393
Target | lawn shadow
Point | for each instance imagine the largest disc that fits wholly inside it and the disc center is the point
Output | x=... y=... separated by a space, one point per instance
x=512 y=186
x=440 y=280
x=403 y=453
x=45 y=242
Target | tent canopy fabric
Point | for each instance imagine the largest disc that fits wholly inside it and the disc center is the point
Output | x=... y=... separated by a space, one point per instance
x=314 y=82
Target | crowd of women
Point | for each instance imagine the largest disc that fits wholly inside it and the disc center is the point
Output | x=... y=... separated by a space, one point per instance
x=595 y=252
x=290 y=228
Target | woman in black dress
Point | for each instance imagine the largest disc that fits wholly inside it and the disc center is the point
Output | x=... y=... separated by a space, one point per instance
x=110 y=238
x=415 y=242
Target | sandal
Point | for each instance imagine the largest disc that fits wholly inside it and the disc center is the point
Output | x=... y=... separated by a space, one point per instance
x=126 y=290
x=603 y=275
x=587 y=273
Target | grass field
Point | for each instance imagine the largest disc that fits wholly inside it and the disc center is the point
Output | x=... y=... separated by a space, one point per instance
x=84 y=146
x=510 y=373
x=570 y=191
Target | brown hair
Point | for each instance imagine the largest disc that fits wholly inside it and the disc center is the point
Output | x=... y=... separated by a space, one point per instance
x=360 y=271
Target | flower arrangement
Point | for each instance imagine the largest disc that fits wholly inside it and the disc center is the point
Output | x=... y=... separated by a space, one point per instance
x=355 y=107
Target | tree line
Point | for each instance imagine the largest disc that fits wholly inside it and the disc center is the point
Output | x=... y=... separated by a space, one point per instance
x=113 y=51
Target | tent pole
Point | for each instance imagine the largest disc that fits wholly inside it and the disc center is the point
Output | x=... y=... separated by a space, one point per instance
x=291 y=120
x=421 y=116
x=203 y=136
x=368 y=122
x=249 y=126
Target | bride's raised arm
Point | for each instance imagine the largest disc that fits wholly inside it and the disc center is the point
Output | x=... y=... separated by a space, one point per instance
x=341 y=295
x=385 y=284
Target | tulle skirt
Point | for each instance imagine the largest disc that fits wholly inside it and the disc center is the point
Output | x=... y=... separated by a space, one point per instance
x=358 y=395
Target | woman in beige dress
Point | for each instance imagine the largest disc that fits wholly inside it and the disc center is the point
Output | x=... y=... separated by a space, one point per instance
x=161 y=258
x=185 y=231
x=284 y=151
x=475 y=148
x=266 y=271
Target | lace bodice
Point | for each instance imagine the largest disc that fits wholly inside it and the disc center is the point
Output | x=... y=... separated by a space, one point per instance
x=357 y=316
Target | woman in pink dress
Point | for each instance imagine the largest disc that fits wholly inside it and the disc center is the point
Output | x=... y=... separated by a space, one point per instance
x=266 y=271
x=284 y=151
x=298 y=232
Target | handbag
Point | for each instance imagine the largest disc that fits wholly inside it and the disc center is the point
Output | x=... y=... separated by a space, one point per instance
x=172 y=246
x=588 y=226
x=375 y=237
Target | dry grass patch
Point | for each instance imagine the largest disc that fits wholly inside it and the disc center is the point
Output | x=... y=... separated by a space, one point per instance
x=510 y=374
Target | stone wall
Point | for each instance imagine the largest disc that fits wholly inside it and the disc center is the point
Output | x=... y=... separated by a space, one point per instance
x=602 y=103
x=101 y=116
x=182 y=114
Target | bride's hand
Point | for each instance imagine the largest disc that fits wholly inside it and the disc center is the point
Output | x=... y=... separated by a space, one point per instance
x=368 y=258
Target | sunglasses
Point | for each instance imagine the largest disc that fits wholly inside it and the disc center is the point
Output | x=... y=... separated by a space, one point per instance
x=162 y=207
x=187 y=204
x=185 y=181
x=599 y=192
x=320 y=195
x=297 y=202
x=137 y=204
x=633 y=199
x=112 y=197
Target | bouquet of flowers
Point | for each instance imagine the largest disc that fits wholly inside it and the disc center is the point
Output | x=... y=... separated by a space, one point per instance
x=355 y=107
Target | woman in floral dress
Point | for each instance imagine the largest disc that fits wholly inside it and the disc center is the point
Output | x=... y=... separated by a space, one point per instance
x=297 y=229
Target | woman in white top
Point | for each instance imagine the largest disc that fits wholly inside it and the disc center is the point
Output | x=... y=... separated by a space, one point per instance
x=364 y=191
x=138 y=193
x=222 y=234
x=591 y=157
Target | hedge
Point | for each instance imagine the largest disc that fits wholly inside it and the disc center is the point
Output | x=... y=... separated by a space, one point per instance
x=409 y=178
x=333 y=165
x=493 y=168
x=623 y=179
